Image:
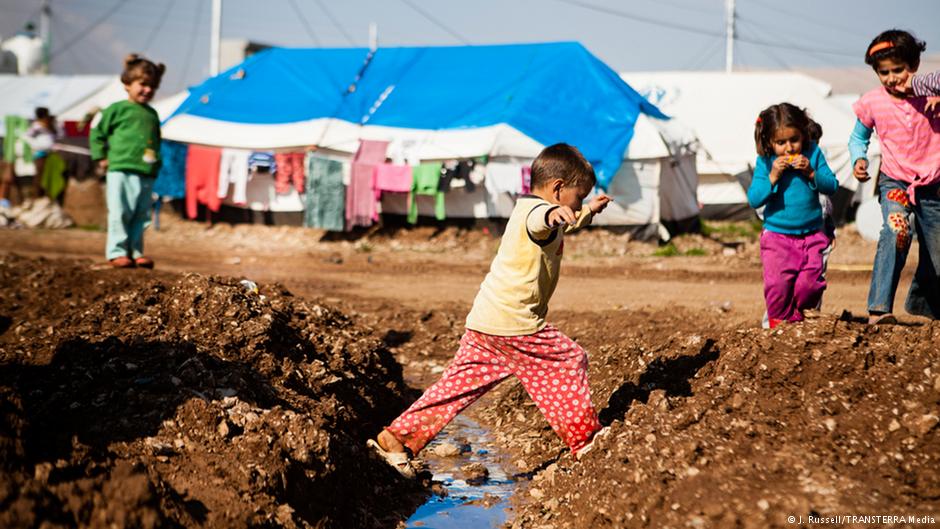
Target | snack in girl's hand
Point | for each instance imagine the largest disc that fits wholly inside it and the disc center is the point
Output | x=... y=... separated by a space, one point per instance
x=791 y=159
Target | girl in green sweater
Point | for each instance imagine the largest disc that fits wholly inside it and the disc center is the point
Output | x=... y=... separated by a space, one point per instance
x=126 y=144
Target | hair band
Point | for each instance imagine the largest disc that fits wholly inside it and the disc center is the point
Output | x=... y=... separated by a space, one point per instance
x=758 y=119
x=880 y=46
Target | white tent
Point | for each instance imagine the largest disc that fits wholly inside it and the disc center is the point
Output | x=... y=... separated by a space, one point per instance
x=653 y=189
x=721 y=109
x=23 y=93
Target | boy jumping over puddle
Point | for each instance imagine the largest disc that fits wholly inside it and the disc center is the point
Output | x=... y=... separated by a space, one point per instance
x=506 y=329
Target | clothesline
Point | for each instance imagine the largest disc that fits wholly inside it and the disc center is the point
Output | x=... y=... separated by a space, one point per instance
x=338 y=193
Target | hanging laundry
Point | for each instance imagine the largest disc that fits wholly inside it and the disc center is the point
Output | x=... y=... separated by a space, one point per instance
x=233 y=172
x=202 y=179
x=502 y=177
x=458 y=176
x=262 y=161
x=448 y=170
x=53 y=176
x=371 y=152
x=290 y=170
x=391 y=178
x=526 y=179
x=15 y=127
x=477 y=172
x=360 y=195
x=325 y=193
x=171 y=179
x=427 y=180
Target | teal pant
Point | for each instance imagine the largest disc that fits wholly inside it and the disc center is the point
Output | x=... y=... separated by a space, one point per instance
x=129 y=204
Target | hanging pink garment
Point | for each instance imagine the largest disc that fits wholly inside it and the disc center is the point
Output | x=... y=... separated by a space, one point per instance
x=390 y=178
x=371 y=151
x=526 y=179
x=360 y=194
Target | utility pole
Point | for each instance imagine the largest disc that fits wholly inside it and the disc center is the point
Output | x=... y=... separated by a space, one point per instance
x=373 y=36
x=215 y=44
x=45 y=33
x=729 y=36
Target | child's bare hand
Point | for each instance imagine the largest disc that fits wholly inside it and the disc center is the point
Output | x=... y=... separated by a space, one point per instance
x=861 y=170
x=800 y=163
x=560 y=216
x=932 y=103
x=598 y=203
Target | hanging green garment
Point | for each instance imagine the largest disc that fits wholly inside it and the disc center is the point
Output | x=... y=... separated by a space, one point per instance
x=15 y=127
x=53 y=176
x=325 y=197
x=427 y=178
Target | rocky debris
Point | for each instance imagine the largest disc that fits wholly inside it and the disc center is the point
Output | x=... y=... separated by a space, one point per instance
x=474 y=473
x=165 y=401
x=738 y=427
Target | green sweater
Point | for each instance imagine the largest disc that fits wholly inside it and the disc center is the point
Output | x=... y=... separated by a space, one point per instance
x=128 y=135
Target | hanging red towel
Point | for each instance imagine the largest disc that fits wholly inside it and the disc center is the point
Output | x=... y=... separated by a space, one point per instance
x=202 y=179
x=290 y=170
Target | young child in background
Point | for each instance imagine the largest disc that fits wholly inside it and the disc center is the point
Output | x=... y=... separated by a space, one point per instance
x=126 y=143
x=789 y=174
x=909 y=133
x=506 y=329
x=40 y=137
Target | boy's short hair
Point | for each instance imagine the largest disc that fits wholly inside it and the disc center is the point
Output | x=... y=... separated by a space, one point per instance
x=565 y=162
x=42 y=113
x=137 y=68
x=895 y=44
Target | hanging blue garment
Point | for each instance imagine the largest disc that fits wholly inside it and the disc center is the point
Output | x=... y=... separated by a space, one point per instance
x=171 y=179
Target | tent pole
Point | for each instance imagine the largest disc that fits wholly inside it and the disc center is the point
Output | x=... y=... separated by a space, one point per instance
x=729 y=36
x=216 y=37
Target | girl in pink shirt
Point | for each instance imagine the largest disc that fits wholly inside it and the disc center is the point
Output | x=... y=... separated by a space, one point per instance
x=909 y=181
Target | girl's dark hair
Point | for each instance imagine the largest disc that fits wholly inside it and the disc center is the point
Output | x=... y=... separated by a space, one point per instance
x=565 y=162
x=783 y=115
x=895 y=44
x=137 y=68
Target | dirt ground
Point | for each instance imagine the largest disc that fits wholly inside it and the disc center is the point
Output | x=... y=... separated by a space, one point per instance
x=178 y=397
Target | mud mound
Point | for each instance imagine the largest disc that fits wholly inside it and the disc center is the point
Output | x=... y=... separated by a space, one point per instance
x=134 y=400
x=745 y=428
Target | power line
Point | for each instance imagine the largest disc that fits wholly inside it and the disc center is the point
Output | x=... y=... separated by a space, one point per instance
x=693 y=29
x=805 y=19
x=158 y=27
x=305 y=23
x=789 y=43
x=704 y=54
x=192 y=41
x=439 y=24
x=87 y=31
x=336 y=23
x=640 y=18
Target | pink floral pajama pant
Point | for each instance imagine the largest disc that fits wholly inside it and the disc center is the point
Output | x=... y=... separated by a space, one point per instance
x=551 y=367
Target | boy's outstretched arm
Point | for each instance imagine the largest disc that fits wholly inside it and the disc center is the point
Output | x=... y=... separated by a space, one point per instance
x=599 y=203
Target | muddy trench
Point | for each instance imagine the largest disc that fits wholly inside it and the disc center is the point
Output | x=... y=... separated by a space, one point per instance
x=156 y=399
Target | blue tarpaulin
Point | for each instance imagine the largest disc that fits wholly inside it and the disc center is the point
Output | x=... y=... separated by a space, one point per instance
x=551 y=92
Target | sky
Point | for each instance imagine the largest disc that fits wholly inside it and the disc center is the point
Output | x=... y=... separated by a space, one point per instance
x=93 y=36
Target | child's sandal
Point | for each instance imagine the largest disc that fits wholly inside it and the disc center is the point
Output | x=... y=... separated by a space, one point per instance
x=397 y=460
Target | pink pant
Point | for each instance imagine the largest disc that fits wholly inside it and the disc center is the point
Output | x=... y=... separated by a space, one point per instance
x=551 y=367
x=793 y=273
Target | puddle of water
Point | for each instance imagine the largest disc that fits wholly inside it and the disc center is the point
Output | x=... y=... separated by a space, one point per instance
x=465 y=506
